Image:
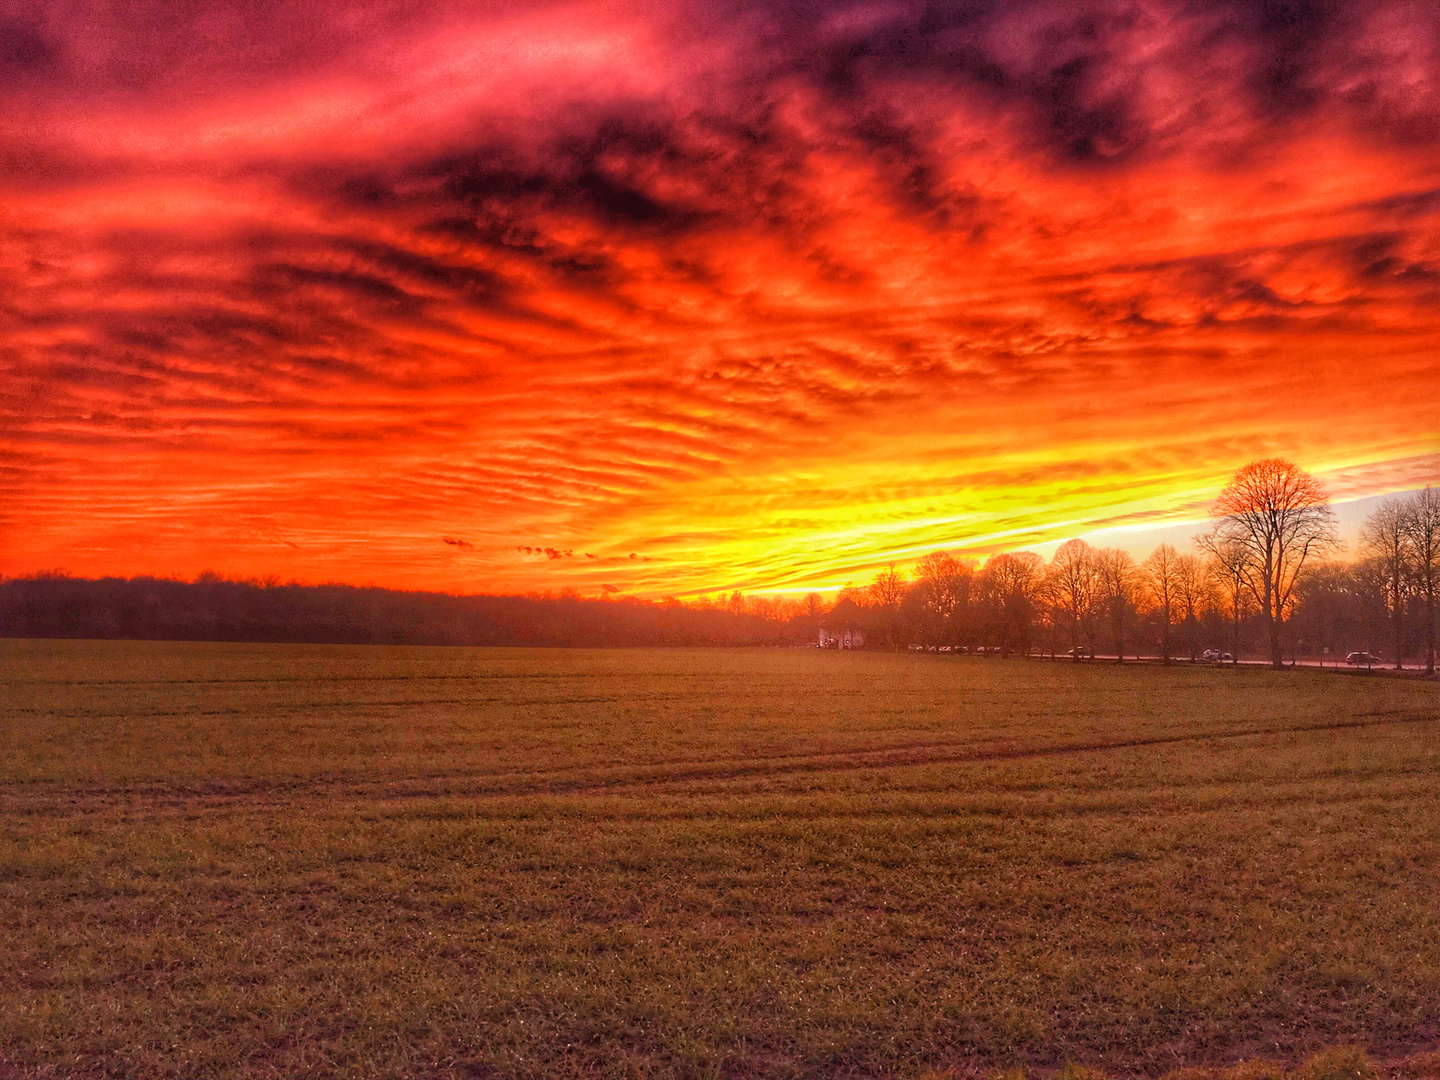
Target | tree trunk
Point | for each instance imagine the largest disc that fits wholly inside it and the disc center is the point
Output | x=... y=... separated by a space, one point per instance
x=1430 y=627
x=1399 y=631
x=1165 y=638
x=1276 y=660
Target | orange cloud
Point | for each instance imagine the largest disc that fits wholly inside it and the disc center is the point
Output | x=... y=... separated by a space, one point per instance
x=762 y=298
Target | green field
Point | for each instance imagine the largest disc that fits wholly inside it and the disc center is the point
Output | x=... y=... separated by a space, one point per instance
x=226 y=860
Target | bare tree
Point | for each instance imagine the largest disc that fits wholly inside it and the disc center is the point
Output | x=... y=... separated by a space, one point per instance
x=1194 y=590
x=1281 y=515
x=886 y=593
x=812 y=605
x=1385 y=536
x=944 y=583
x=1422 y=527
x=1162 y=573
x=1014 y=582
x=1074 y=587
x=1047 y=615
x=1118 y=579
x=888 y=588
x=1232 y=569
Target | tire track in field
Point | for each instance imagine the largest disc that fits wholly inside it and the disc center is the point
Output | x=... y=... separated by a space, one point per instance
x=909 y=755
x=279 y=680
x=335 y=704
x=287 y=707
x=581 y=779
x=329 y=704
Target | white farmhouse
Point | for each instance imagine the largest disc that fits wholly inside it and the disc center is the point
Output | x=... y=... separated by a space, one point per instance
x=841 y=627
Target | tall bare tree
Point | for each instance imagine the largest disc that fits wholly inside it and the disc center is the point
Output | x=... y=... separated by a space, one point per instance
x=1388 y=541
x=1422 y=526
x=1162 y=573
x=1281 y=515
x=1074 y=587
x=1194 y=589
x=1118 y=579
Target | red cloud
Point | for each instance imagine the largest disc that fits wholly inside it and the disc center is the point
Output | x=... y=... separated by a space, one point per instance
x=766 y=296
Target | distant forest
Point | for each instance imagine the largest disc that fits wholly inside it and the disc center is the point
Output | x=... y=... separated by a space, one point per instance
x=1341 y=607
x=211 y=609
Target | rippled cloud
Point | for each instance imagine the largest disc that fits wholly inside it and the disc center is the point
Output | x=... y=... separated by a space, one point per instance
x=762 y=294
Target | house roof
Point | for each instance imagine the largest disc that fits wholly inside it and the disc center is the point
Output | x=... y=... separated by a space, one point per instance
x=845 y=613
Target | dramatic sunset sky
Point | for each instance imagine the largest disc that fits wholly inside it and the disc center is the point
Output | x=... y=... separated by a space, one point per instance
x=680 y=296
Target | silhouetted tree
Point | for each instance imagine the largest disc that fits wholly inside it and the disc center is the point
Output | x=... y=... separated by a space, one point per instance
x=1281 y=515
x=1422 y=527
x=1162 y=573
x=1341 y=606
x=916 y=621
x=1386 y=538
x=1232 y=569
x=1073 y=584
x=886 y=593
x=813 y=605
x=944 y=584
x=1194 y=589
x=1115 y=570
x=1013 y=584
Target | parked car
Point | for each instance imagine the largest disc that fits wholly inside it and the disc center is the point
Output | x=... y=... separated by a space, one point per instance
x=1362 y=659
x=1082 y=652
x=1215 y=656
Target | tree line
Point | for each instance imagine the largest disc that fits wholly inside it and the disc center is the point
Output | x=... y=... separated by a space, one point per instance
x=1261 y=578
x=215 y=609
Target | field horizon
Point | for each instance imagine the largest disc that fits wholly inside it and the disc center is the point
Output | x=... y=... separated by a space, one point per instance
x=265 y=860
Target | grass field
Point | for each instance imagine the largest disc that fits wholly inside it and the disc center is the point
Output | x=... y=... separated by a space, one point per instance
x=244 y=860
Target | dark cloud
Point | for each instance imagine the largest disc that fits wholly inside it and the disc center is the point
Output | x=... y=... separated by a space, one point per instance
x=25 y=52
x=1084 y=77
x=551 y=553
x=1291 y=35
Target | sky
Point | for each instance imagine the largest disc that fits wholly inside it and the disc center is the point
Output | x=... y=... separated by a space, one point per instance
x=681 y=297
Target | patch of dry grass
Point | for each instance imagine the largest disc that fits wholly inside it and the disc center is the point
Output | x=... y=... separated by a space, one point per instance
x=289 y=861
